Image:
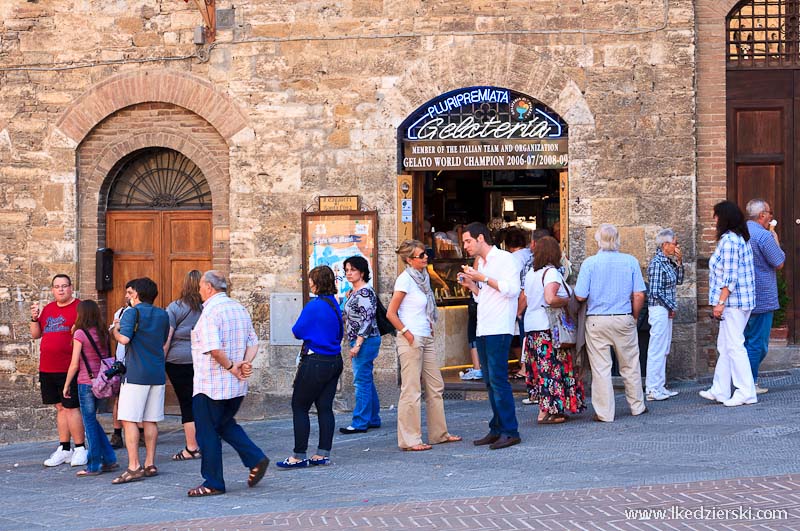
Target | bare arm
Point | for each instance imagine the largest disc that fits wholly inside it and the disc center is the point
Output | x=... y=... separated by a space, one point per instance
x=73 y=365
x=394 y=318
x=169 y=340
x=36 y=330
x=551 y=295
x=637 y=303
x=522 y=303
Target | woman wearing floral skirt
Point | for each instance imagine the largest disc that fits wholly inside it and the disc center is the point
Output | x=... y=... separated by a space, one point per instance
x=555 y=386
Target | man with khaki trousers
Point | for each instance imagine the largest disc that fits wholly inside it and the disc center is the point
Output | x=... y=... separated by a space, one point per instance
x=612 y=284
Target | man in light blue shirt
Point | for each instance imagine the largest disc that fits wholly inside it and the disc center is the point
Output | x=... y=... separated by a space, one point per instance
x=611 y=282
x=768 y=257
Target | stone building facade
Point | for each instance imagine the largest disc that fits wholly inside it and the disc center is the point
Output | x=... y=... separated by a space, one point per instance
x=298 y=100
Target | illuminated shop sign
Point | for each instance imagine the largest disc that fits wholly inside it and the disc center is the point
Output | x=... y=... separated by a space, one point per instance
x=483 y=128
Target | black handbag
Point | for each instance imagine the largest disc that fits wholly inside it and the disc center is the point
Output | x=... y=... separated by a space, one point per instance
x=384 y=325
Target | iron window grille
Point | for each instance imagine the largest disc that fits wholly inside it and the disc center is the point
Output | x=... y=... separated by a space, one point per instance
x=158 y=179
x=764 y=34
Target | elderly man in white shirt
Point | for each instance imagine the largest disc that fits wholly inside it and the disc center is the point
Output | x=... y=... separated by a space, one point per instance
x=495 y=287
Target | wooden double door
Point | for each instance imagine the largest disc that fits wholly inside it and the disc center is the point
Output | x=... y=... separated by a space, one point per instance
x=763 y=107
x=162 y=245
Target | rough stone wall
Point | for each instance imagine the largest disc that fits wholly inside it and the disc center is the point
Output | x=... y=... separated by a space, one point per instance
x=319 y=110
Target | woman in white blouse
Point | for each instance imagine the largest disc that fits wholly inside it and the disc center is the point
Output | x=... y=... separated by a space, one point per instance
x=556 y=388
x=413 y=312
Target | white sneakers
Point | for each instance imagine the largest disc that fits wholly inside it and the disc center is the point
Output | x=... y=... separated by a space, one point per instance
x=708 y=395
x=77 y=457
x=472 y=374
x=660 y=394
x=738 y=401
x=734 y=401
x=60 y=456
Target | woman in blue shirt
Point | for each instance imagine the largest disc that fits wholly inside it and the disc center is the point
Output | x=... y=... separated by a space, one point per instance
x=320 y=327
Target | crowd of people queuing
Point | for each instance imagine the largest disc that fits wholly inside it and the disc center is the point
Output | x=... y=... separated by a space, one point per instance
x=205 y=344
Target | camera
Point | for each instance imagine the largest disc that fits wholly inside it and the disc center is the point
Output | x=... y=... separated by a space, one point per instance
x=116 y=368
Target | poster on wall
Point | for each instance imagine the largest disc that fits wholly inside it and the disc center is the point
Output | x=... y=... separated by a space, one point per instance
x=329 y=238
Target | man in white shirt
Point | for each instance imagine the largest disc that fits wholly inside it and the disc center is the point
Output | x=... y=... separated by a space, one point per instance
x=495 y=287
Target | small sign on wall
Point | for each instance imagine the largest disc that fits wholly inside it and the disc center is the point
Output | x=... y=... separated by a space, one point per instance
x=329 y=203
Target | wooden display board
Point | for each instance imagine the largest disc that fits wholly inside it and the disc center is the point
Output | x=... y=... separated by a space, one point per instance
x=329 y=238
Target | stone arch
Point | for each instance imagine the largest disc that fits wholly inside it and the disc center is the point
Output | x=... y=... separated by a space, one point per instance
x=168 y=86
x=130 y=130
x=463 y=64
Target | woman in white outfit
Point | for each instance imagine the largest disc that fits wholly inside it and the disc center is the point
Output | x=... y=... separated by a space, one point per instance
x=732 y=294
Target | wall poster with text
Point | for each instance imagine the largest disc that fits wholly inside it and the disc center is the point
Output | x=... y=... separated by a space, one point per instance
x=329 y=238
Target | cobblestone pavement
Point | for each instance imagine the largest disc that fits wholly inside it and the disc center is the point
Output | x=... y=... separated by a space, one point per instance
x=686 y=453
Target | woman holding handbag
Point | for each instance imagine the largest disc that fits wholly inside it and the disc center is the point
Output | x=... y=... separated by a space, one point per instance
x=90 y=343
x=321 y=329
x=365 y=342
x=556 y=387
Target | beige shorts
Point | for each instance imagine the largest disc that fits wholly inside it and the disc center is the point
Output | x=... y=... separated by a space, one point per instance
x=141 y=403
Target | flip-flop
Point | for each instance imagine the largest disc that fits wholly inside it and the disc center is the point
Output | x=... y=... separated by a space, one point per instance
x=202 y=490
x=451 y=439
x=418 y=448
x=88 y=473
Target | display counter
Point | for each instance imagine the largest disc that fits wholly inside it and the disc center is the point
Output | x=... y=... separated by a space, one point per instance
x=450 y=336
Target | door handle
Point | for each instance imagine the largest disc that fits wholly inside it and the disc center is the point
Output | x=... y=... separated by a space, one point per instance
x=797 y=222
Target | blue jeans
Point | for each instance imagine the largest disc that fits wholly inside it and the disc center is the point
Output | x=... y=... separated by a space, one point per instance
x=756 y=339
x=493 y=353
x=366 y=413
x=215 y=422
x=99 y=452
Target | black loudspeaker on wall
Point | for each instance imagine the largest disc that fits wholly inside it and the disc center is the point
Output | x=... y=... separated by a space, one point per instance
x=104 y=260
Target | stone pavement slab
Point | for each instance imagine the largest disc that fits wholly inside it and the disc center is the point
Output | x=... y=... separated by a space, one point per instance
x=684 y=439
x=769 y=503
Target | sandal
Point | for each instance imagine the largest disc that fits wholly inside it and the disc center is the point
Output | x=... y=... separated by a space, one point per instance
x=109 y=468
x=552 y=419
x=451 y=438
x=129 y=476
x=257 y=472
x=418 y=448
x=88 y=473
x=181 y=456
x=150 y=471
x=202 y=490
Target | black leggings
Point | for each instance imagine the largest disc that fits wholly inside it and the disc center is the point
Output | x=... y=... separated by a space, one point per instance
x=315 y=383
x=182 y=375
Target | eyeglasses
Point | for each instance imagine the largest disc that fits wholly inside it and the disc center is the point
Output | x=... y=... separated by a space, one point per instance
x=419 y=256
x=64 y=286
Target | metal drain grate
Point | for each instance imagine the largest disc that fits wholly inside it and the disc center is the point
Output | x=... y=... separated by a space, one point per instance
x=453 y=395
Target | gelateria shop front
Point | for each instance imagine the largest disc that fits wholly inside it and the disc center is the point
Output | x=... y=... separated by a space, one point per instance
x=486 y=154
